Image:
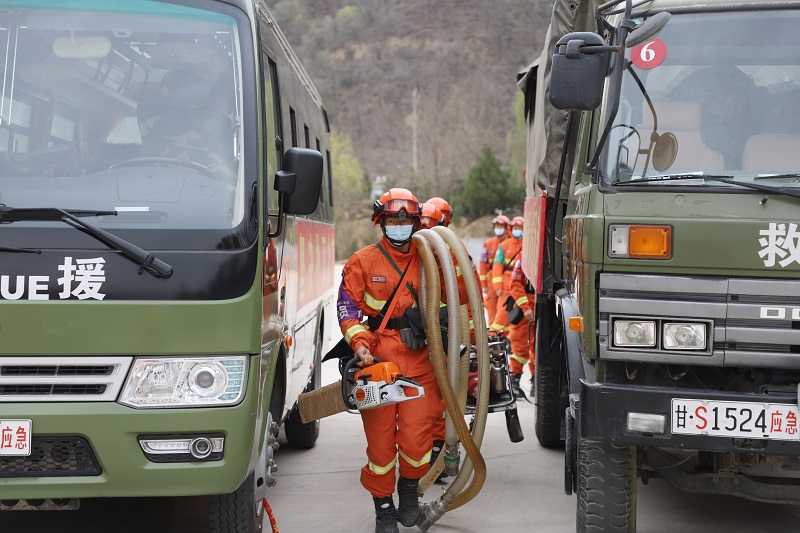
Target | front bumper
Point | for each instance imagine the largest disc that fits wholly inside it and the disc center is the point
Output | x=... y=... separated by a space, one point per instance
x=112 y=430
x=604 y=408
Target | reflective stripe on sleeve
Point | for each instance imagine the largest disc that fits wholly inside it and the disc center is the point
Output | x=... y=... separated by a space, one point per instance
x=383 y=470
x=425 y=459
x=498 y=279
x=499 y=327
x=522 y=300
x=482 y=276
x=358 y=328
x=373 y=302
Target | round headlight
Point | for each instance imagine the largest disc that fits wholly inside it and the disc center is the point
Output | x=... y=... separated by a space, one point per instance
x=207 y=380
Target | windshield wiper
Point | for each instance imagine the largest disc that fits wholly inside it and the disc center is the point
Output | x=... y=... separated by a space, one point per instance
x=789 y=175
x=787 y=191
x=144 y=259
x=15 y=250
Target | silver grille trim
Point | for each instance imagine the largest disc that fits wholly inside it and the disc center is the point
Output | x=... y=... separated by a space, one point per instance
x=752 y=319
x=62 y=379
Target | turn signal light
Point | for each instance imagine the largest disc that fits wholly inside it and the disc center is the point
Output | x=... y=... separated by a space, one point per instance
x=640 y=242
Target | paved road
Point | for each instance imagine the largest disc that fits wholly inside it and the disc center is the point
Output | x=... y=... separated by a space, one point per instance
x=318 y=491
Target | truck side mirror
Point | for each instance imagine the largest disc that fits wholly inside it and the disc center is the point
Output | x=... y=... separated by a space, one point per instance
x=300 y=181
x=580 y=65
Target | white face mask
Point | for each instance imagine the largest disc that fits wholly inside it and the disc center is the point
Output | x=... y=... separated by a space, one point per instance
x=499 y=232
x=517 y=233
x=399 y=234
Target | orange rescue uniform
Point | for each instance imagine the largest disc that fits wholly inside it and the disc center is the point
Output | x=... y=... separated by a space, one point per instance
x=490 y=247
x=522 y=334
x=400 y=432
x=502 y=267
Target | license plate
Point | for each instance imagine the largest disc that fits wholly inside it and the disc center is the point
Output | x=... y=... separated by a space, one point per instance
x=754 y=420
x=15 y=437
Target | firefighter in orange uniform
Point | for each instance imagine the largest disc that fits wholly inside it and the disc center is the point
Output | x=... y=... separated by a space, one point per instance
x=399 y=433
x=522 y=334
x=502 y=267
x=442 y=205
x=500 y=225
x=431 y=216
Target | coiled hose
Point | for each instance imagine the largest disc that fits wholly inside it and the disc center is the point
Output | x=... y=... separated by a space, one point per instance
x=436 y=244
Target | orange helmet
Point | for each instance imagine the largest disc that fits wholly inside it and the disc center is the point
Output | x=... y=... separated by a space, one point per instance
x=431 y=216
x=444 y=207
x=501 y=219
x=517 y=221
x=395 y=202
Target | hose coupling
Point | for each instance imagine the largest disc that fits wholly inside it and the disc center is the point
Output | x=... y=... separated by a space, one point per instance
x=452 y=459
x=430 y=513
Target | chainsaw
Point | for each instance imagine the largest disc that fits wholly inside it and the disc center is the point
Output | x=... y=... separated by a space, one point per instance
x=377 y=385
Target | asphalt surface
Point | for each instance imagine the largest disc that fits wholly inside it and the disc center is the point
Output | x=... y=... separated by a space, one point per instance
x=318 y=490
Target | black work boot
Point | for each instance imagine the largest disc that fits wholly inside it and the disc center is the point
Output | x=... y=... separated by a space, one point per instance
x=409 y=503
x=385 y=515
x=438 y=446
x=515 y=385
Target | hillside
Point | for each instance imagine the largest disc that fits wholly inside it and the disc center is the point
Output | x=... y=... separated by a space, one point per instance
x=367 y=57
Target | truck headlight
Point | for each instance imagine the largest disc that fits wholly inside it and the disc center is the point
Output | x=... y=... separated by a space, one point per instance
x=185 y=382
x=634 y=333
x=684 y=336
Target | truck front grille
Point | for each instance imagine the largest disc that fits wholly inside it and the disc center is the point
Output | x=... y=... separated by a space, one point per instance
x=754 y=322
x=62 y=379
x=53 y=457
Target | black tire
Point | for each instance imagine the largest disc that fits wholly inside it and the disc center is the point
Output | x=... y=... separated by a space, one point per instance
x=550 y=398
x=299 y=435
x=606 y=488
x=237 y=512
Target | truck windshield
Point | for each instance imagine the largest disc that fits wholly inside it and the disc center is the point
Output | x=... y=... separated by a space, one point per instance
x=715 y=94
x=131 y=106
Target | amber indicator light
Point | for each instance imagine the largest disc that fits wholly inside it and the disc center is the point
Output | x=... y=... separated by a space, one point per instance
x=650 y=242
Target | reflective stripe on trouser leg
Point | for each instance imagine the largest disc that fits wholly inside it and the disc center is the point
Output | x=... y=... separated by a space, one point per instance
x=380 y=427
x=415 y=429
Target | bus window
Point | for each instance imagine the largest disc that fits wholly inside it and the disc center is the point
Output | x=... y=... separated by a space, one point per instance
x=308 y=136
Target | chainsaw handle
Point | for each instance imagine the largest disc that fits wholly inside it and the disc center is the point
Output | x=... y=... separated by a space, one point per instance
x=347 y=379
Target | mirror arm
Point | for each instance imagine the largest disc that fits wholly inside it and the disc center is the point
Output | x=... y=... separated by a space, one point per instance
x=279 y=225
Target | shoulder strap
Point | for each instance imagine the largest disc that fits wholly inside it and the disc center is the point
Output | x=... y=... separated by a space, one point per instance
x=397 y=269
x=390 y=303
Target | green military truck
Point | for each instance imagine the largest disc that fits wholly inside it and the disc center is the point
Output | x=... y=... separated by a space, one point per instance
x=663 y=238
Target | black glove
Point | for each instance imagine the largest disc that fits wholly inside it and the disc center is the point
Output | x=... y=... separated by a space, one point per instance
x=411 y=340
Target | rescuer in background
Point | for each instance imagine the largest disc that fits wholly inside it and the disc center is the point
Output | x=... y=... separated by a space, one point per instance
x=502 y=266
x=522 y=333
x=502 y=269
x=399 y=433
x=439 y=426
x=500 y=226
x=442 y=205
x=431 y=216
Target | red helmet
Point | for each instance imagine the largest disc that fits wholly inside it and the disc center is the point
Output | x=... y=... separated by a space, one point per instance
x=501 y=219
x=431 y=216
x=394 y=202
x=517 y=221
x=444 y=207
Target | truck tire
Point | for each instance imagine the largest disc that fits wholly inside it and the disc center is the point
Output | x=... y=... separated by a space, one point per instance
x=606 y=488
x=237 y=512
x=299 y=435
x=549 y=378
